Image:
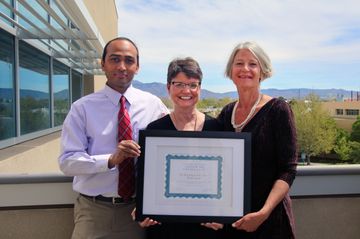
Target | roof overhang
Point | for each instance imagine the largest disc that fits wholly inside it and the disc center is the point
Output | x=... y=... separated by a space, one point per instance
x=76 y=41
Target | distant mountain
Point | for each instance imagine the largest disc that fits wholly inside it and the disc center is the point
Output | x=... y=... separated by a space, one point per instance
x=38 y=95
x=62 y=95
x=156 y=88
x=6 y=93
x=159 y=89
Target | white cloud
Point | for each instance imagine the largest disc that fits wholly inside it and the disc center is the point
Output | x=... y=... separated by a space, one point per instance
x=289 y=30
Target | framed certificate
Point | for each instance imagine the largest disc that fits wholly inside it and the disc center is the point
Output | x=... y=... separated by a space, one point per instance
x=189 y=176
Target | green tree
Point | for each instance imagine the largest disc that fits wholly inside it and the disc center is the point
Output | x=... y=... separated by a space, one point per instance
x=212 y=106
x=207 y=103
x=167 y=102
x=342 y=147
x=61 y=108
x=224 y=101
x=316 y=130
x=34 y=114
x=354 y=155
x=347 y=145
x=355 y=133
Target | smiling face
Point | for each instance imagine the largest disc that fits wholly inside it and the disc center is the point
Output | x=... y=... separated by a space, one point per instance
x=245 y=71
x=120 y=64
x=182 y=95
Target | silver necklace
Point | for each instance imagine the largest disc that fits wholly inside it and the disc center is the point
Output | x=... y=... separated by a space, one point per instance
x=176 y=121
x=240 y=126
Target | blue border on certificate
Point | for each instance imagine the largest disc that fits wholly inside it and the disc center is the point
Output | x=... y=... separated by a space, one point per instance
x=171 y=157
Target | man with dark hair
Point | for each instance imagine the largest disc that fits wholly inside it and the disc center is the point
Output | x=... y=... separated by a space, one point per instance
x=117 y=39
x=98 y=146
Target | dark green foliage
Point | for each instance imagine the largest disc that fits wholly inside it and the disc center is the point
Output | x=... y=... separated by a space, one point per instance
x=355 y=134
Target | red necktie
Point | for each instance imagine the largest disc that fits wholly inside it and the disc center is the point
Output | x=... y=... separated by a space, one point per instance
x=126 y=186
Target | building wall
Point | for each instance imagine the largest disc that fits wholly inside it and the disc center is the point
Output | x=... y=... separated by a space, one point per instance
x=315 y=218
x=37 y=156
x=89 y=84
x=327 y=217
x=108 y=28
x=104 y=14
x=343 y=121
x=99 y=82
x=54 y=223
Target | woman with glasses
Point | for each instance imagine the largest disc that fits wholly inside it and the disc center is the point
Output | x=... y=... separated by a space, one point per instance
x=183 y=84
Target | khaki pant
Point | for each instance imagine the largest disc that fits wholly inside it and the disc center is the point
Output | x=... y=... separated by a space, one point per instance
x=104 y=220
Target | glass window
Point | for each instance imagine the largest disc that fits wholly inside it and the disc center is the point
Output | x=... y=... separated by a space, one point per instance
x=352 y=112
x=73 y=44
x=28 y=15
x=61 y=92
x=58 y=12
x=7 y=96
x=6 y=11
x=34 y=89
x=76 y=85
x=59 y=45
x=339 y=111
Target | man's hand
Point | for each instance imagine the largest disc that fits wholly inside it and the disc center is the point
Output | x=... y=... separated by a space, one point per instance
x=125 y=149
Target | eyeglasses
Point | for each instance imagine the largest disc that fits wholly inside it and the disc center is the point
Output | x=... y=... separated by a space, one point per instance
x=181 y=85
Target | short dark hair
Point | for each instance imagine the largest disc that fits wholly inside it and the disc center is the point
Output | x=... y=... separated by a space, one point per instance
x=120 y=39
x=187 y=65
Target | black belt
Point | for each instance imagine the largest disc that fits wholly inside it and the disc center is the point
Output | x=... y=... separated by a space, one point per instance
x=112 y=200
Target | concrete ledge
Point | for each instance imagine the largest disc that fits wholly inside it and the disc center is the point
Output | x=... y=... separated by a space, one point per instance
x=349 y=169
x=55 y=189
x=326 y=203
x=34 y=178
x=327 y=180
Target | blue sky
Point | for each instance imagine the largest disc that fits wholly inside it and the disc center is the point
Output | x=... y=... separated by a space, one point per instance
x=312 y=44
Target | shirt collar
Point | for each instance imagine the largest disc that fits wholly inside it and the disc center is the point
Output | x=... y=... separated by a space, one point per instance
x=115 y=96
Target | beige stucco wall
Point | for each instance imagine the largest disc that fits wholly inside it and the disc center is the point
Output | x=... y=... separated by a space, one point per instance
x=99 y=82
x=342 y=121
x=105 y=15
x=345 y=124
x=332 y=106
x=37 y=156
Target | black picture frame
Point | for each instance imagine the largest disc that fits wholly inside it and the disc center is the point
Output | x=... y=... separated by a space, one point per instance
x=214 y=158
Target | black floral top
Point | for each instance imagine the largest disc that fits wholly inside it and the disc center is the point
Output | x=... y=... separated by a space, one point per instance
x=274 y=157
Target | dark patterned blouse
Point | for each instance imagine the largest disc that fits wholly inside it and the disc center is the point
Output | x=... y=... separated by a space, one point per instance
x=274 y=157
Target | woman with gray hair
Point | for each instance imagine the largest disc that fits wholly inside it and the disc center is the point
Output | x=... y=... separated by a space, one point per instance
x=273 y=165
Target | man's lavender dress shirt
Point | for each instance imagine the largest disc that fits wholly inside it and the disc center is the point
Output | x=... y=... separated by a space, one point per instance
x=89 y=136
